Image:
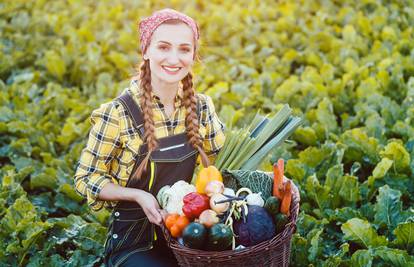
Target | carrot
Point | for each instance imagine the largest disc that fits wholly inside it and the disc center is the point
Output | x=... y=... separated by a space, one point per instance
x=278 y=170
x=287 y=198
x=281 y=167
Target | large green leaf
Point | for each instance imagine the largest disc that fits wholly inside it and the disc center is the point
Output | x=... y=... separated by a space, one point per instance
x=395 y=257
x=382 y=168
x=315 y=245
x=257 y=181
x=405 y=236
x=361 y=232
x=362 y=258
x=388 y=208
x=346 y=70
x=350 y=189
x=395 y=151
x=318 y=193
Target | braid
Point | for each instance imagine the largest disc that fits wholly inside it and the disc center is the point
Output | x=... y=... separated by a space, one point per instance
x=191 y=119
x=146 y=107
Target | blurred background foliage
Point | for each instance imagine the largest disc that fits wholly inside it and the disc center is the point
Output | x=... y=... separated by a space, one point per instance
x=346 y=67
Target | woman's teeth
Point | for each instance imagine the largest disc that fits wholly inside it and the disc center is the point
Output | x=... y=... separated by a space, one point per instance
x=171 y=69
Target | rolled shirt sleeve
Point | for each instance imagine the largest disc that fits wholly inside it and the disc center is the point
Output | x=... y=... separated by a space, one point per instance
x=92 y=172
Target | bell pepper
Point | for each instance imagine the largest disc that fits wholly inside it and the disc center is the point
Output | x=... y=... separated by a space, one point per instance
x=206 y=175
x=195 y=204
x=176 y=224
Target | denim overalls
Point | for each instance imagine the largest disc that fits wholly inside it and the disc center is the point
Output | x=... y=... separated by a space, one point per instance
x=130 y=233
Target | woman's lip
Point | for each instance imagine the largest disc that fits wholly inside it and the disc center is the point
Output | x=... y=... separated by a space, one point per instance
x=171 y=72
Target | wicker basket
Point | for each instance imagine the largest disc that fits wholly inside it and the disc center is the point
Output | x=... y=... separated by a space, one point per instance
x=273 y=252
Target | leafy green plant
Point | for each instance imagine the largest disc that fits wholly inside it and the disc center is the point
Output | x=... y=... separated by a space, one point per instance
x=346 y=70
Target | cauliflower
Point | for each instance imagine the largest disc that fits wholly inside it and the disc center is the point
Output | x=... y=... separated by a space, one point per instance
x=170 y=198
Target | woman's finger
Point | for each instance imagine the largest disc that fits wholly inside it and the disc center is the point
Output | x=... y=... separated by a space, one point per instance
x=157 y=206
x=156 y=216
x=164 y=214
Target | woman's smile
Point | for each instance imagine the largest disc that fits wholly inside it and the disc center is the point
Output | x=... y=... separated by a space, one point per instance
x=171 y=70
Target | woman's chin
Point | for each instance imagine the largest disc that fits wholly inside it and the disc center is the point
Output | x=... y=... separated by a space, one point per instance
x=172 y=78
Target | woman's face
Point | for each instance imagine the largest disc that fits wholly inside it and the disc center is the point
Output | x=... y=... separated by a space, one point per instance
x=171 y=52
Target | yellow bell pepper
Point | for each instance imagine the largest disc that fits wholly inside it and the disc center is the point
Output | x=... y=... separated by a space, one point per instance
x=211 y=173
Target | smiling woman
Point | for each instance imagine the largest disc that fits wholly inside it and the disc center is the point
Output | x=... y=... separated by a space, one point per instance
x=153 y=134
x=171 y=54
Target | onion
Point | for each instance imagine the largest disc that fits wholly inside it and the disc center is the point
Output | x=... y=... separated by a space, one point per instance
x=219 y=208
x=214 y=187
x=208 y=218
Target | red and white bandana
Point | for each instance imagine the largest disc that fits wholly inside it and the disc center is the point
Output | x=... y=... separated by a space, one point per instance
x=148 y=25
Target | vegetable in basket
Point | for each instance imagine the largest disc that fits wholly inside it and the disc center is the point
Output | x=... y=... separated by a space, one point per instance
x=214 y=187
x=287 y=199
x=282 y=191
x=170 y=198
x=280 y=221
x=220 y=237
x=245 y=148
x=257 y=228
x=256 y=181
x=206 y=175
x=195 y=204
x=176 y=223
x=255 y=199
x=208 y=218
x=278 y=172
x=220 y=208
x=272 y=205
x=195 y=235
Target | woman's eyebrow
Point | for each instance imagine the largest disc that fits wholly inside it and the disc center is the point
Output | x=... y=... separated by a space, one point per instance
x=183 y=44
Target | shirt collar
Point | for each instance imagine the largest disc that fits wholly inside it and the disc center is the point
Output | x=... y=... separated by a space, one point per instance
x=136 y=89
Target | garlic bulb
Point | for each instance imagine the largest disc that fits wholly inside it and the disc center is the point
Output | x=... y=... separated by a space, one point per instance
x=255 y=199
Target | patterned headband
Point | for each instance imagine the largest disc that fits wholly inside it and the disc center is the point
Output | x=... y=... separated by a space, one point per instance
x=148 y=25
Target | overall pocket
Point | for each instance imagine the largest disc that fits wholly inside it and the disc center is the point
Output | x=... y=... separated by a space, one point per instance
x=130 y=229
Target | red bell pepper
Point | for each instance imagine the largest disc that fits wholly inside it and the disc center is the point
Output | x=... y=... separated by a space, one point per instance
x=195 y=204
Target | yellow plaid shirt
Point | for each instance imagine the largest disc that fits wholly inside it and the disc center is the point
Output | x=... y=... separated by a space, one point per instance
x=113 y=142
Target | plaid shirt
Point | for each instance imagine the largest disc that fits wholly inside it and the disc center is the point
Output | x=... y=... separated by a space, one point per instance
x=113 y=142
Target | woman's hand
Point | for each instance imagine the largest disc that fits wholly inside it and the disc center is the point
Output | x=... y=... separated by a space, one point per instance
x=150 y=206
x=114 y=192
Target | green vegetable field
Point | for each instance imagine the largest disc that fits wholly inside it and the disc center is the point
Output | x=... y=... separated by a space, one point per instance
x=345 y=67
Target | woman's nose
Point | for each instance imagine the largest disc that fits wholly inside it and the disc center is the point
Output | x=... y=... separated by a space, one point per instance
x=173 y=58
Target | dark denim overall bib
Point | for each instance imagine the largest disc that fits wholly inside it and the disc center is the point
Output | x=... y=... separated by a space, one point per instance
x=132 y=240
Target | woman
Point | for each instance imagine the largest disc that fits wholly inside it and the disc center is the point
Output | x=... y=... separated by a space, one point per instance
x=152 y=135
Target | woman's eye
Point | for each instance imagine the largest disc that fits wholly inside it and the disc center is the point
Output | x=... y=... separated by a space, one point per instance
x=186 y=50
x=163 y=47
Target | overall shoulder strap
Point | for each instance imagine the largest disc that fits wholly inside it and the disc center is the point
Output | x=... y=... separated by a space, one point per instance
x=133 y=111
